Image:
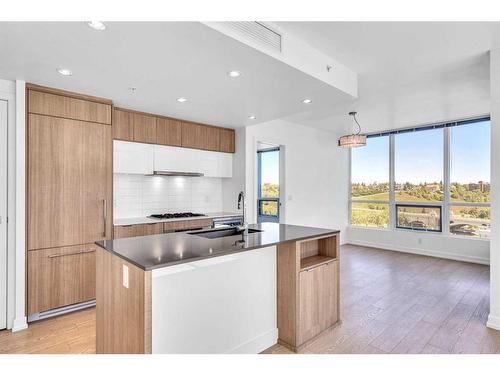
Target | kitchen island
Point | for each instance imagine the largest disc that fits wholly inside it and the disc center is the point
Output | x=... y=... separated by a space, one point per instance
x=217 y=291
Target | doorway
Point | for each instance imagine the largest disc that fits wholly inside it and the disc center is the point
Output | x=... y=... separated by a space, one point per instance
x=268 y=183
x=3 y=213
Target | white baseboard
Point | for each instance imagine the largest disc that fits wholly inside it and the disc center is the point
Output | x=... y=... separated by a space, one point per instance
x=19 y=324
x=493 y=322
x=430 y=253
x=257 y=344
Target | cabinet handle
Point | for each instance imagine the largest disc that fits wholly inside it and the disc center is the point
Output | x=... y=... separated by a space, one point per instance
x=65 y=255
x=321 y=265
x=105 y=216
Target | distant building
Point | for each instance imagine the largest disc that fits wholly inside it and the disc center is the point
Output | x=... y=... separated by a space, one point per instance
x=481 y=186
x=432 y=188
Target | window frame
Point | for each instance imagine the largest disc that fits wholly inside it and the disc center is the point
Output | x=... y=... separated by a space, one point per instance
x=440 y=207
x=260 y=198
x=445 y=205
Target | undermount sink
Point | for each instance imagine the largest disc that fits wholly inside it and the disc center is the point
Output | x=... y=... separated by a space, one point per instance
x=217 y=233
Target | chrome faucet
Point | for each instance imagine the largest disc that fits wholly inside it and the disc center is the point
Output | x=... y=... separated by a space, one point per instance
x=241 y=199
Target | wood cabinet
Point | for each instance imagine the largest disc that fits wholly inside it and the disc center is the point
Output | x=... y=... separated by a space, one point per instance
x=123 y=126
x=129 y=125
x=226 y=140
x=135 y=230
x=144 y=128
x=172 y=226
x=60 y=276
x=58 y=104
x=168 y=132
x=69 y=194
x=317 y=300
x=308 y=289
x=69 y=182
x=134 y=126
x=200 y=136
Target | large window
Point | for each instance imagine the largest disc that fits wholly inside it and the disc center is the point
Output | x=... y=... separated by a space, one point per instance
x=418 y=163
x=433 y=178
x=470 y=179
x=370 y=184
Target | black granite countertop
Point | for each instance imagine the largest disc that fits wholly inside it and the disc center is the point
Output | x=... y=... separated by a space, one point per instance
x=163 y=250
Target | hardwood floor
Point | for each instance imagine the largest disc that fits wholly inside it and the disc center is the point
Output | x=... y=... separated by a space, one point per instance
x=71 y=333
x=403 y=303
x=390 y=303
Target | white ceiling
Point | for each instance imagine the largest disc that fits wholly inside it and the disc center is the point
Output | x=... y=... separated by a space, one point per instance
x=408 y=72
x=428 y=70
x=164 y=61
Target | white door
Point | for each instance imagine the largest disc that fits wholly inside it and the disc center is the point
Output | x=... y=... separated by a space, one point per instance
x=3 y=214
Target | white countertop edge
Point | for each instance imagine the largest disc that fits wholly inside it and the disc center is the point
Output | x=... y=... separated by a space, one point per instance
x=146 y=220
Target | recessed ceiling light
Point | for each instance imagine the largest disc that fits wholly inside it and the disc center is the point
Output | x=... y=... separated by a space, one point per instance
x=97 y=25
x=181 y=100
x=234 y=74
x=306 y=101
x=252 y=117
x=65 y=72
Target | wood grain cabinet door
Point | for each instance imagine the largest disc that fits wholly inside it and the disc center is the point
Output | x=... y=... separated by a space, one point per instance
x=200 y=136
x=318 y=302
x=227 y=140
x=61 y=276
x=55 y=185
x=69 y=182
x=123 y=127
x=134 y=230
x=144 y=128
x=168 y=132
x=96 y=180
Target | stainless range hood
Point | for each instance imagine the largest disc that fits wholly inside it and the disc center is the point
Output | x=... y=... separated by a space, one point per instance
x=183 y=174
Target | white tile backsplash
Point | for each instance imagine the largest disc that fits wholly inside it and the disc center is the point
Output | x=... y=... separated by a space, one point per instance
x=138 y=196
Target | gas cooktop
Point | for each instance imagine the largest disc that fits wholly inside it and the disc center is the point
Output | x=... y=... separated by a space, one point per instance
x=175 y=215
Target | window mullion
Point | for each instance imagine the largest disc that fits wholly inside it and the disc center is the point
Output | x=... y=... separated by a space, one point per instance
x=446 y=180
x=392 y=205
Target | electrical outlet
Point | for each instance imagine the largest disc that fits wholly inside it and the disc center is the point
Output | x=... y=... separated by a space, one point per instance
x=420 y=241
x=125 y=276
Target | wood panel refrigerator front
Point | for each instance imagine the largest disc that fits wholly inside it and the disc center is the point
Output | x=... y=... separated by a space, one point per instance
x=69 y=205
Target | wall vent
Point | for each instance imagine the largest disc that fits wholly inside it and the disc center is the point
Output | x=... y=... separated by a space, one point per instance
x=257 y=32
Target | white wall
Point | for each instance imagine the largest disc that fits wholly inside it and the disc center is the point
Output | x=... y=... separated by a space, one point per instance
x=494 y=317
x=140 y=196
x=316 y=179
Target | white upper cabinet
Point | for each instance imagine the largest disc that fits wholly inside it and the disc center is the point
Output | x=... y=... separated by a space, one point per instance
x=140 y=158
x=225 y=164
x=178 y=159
x=132 y=157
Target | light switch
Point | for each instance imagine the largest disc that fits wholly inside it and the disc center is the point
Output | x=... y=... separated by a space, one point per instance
x=125 y=276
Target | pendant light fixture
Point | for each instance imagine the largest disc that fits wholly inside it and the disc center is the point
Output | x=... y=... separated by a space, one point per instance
x=353 y=140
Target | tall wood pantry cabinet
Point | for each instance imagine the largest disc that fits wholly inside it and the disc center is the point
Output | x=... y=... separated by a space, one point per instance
x=69 y=194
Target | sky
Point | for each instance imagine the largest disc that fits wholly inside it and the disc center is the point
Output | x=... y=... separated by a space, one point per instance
x=419 y=156
x=270 y=167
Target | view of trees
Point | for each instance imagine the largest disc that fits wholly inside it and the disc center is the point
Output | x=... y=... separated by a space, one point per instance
x=467 y=220
x=270 y=190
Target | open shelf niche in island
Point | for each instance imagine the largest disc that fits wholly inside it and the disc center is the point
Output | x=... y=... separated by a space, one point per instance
x=318 y=251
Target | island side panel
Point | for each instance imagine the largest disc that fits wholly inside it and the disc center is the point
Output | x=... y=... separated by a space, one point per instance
x=123 y=315
x=287 y=287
